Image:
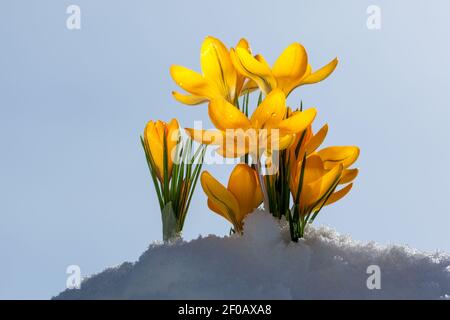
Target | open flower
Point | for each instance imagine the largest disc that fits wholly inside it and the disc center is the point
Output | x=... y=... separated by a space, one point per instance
x=290 y=70
x=219 y=78
x=157 y=136
x=307 y=142
x=266 y=130
x=314 y=183
x=242 y=195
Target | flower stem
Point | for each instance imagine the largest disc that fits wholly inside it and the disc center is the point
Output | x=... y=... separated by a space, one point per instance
x=262 y=184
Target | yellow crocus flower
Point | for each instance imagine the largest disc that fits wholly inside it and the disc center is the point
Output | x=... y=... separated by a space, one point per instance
x=323 y=171
x=317 y=183
x=267 y=125
x=154 y=135
x=242 y=195
x=219 y=78
x=290 y=70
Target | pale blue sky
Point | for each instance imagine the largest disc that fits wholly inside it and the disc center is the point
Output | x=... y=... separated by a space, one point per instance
x=74 y=184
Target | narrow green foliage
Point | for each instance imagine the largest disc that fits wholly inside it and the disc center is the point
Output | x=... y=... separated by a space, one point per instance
x=278 y=188
x=175 y=191
x=300 y=183
x=296 y=218
x=246 y=100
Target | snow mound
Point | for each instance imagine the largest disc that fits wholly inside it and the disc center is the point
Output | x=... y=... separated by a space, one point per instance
x=265 y=264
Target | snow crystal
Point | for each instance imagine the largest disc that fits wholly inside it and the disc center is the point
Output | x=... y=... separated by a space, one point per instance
x=265 y=264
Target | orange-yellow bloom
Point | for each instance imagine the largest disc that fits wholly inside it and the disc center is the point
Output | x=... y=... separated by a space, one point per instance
x=155 y=133
x=323 y=171
x=290 y=70
x=266 y=130
x=219 y=78
x=242 y=195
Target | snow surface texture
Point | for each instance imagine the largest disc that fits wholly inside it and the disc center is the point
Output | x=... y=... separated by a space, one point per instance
x=265 y=264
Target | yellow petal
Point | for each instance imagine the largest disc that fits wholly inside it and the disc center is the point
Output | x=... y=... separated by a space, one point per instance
x=243 y=184
x=173 y=135
x=232 y=151
x=290 y=67
x=243 y=43
x=306 y=75
x=228 y=146
x=216 y=209
x=217 y=67
x=155 y=146
x=226 y=116
x=250 y=67
x=321 y=74
x=149 y=130
x=314 y=169
x=348 y=175
x=240 y=78
x=260 y=58
x=222 y=199
x=205 y=136
x=338 y=195
x=257 y=195
x=285 y=142
x=188 y=98
x=235 y=143
x=249 y=86
x=298 y=122
x=318 y=189
x=274 y=142
x=316 y=140
x=307 y=197
x=193 y=82
x=346 y=155
x=271 y=110
x=160 y=128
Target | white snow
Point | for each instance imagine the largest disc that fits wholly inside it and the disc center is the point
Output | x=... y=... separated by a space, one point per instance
x=265 y=264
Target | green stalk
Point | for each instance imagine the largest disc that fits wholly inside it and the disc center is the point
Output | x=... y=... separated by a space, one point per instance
x=175 y=190
x=262 y=184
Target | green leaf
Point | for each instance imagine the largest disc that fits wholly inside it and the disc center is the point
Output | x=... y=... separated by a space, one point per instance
x=300 y=183
x=175 y=192
x=169 y=222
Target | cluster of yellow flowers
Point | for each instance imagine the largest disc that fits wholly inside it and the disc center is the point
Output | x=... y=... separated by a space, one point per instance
x=272 y=134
